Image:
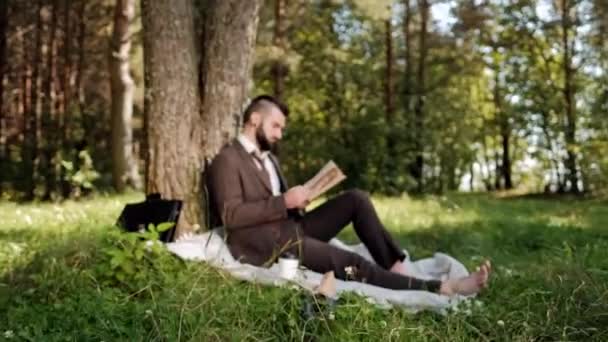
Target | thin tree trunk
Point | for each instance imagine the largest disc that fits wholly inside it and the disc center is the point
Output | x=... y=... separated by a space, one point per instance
x=79 y=72
x=47 y=131
x=391 y=139
x=3 y=71
x=487 y=178
x=472 y=179
x=407 y=88
x=570 y=129
x=30 y=151
x=389 y=85
x=124 y=165
x=419 y=109
x=66 y=97
x=279 y=69
x=497 y=165
x=505 y=131
x=408 y=54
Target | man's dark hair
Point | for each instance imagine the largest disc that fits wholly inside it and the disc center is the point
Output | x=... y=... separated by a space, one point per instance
x=264 y=102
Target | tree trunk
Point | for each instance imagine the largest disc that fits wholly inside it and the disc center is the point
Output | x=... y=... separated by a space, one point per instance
x=505 y=131
x=3 y=69
x=65 y=103
x=570 y=129
x=172 y=106
x=389 y=86
x=391 y=137
x=48 y=106
x=408 y=54
x=225 y=75
x=407 y=88
x=185 y=123
x=30 y=148
x=279 y=69
x=124 y=165
x=419 y=109
x=79 y=72
x=497 y=165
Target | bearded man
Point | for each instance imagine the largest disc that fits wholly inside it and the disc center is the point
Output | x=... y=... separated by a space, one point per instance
x=264 y=218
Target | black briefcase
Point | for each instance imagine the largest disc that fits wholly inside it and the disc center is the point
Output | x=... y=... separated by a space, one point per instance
x=136 y=217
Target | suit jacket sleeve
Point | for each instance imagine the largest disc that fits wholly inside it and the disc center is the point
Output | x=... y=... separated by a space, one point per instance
x=227 y=193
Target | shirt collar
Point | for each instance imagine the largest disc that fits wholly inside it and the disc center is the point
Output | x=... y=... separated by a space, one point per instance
x=250 y=146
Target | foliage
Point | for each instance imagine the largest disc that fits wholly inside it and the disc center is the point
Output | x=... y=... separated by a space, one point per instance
x=131 y=256
x=81 y=177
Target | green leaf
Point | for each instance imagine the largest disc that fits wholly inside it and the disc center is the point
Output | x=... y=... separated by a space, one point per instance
x=162 y=227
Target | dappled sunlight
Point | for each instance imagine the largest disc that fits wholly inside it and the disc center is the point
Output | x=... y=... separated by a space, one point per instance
x=57 y=216
x=406 y=214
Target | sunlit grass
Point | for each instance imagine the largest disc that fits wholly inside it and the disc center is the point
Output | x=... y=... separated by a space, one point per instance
x=550 y=279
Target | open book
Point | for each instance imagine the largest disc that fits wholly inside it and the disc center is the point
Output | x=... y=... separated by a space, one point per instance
x=329 y=176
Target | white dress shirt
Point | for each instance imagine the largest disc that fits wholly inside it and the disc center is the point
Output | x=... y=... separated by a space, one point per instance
x=252 y=148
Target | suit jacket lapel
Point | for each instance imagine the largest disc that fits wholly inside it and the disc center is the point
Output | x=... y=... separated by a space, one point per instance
x=250 y=164
x=282 y=178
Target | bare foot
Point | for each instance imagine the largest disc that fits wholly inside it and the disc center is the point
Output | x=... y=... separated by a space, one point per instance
x=327 y=287
x=470 y=284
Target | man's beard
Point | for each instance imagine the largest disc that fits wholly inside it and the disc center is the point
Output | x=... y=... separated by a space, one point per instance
x=264 y=143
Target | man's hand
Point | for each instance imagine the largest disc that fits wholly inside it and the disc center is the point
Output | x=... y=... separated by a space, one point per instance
x=297 y=197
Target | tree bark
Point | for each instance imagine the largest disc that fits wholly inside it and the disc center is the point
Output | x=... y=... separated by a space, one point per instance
x=408 y=54
x=188 y=118
x=79 y=72
x=124 y=165
x=30 y=148
x=389 y=98
x=226 y=75
x=389 y=86
x=3 y=69
x=65 y=99
x=172 y=106
x=48 y=105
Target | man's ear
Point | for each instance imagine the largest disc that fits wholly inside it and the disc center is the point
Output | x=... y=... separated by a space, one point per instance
x=256 y=119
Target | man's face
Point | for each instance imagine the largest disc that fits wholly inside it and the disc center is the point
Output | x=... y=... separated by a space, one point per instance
x=270 y=131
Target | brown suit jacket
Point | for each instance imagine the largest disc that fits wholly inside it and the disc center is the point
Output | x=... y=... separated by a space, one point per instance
x=258 y=224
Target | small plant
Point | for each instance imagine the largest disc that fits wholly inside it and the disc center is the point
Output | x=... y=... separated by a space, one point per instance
x=131 y=255
x=80 y=177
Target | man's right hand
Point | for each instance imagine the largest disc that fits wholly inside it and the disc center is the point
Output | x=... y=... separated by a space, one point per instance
x=297 y=197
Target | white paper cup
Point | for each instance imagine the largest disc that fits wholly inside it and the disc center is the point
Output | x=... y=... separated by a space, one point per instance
x=288 y=268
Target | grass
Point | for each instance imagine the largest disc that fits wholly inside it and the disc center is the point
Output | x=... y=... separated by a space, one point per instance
x=550 y=279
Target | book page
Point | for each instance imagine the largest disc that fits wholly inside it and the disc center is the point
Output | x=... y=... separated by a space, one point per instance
x=329 y=176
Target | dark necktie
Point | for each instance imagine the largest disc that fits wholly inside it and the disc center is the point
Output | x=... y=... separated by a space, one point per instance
x=258 y=156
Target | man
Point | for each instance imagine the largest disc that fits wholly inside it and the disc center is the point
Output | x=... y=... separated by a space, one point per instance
x=263 y=217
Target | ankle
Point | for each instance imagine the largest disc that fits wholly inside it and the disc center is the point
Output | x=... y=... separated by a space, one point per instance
x=447 y=288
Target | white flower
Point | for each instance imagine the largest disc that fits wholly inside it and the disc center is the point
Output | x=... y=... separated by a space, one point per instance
x=9 y=334
x=500 y=323
x=148 y=312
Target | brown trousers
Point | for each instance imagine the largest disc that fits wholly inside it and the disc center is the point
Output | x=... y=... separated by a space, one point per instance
x=326 y=221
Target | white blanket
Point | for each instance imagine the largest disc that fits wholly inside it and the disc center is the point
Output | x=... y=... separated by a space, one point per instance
x=213 y=250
